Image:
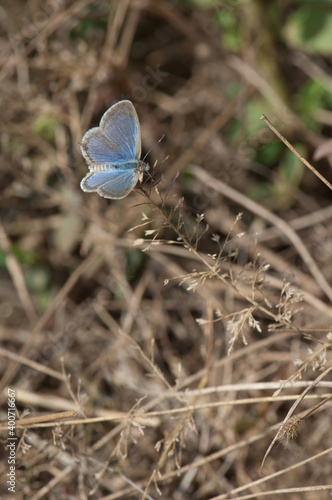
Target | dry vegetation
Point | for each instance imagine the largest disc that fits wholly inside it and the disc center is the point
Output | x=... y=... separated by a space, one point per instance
x=186 y=328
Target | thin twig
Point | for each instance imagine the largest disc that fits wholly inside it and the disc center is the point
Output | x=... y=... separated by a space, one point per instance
x=295 y=151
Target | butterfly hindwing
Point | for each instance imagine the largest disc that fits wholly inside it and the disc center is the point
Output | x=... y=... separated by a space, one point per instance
x=115 y=184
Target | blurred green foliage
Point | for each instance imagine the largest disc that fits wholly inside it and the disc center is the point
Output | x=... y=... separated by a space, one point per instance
x=134 y=262
x=22 y=255
x=228 y=23
x=38 y=279
x=309 y=27
x=311 y=97
x=288 y=174
x=45 y=126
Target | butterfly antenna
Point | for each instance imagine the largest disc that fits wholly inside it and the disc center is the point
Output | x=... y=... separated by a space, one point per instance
x=161 y=138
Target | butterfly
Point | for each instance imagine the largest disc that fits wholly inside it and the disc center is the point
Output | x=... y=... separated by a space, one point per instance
x=112 y=152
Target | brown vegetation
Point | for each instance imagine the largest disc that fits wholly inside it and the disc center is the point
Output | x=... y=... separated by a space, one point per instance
x=185 y=329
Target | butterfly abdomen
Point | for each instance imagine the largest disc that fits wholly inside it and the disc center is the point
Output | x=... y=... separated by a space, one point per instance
x=128 y=165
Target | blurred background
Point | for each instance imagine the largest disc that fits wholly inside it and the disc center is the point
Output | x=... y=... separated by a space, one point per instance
x=167 y=320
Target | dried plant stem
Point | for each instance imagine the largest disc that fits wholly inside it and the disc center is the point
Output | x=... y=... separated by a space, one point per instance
x=23 y=360
x=217 y=124
x=292 y=409
x=293 y=150
x=16 y=273
x=214 y=270
x=203 y=461
x=62 y=294
x=262 y=212
x=45 y=418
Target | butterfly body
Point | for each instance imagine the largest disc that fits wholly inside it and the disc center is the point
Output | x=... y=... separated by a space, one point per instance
x=112 y=152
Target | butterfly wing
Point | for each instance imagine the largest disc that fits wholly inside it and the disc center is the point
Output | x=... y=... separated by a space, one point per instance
x=115 y=184
x=117 y=139
x=120 y=124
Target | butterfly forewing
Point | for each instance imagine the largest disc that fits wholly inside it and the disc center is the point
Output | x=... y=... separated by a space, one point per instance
x=117 y=139
x=120 y=125
x=97 y=149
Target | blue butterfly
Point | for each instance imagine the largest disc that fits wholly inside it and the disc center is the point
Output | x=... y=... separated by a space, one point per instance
x=112 y=152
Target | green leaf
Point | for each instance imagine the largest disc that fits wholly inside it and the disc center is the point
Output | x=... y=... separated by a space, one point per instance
x=310 y=28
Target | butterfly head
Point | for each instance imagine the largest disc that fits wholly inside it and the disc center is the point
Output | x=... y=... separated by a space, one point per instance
x=142 y=166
